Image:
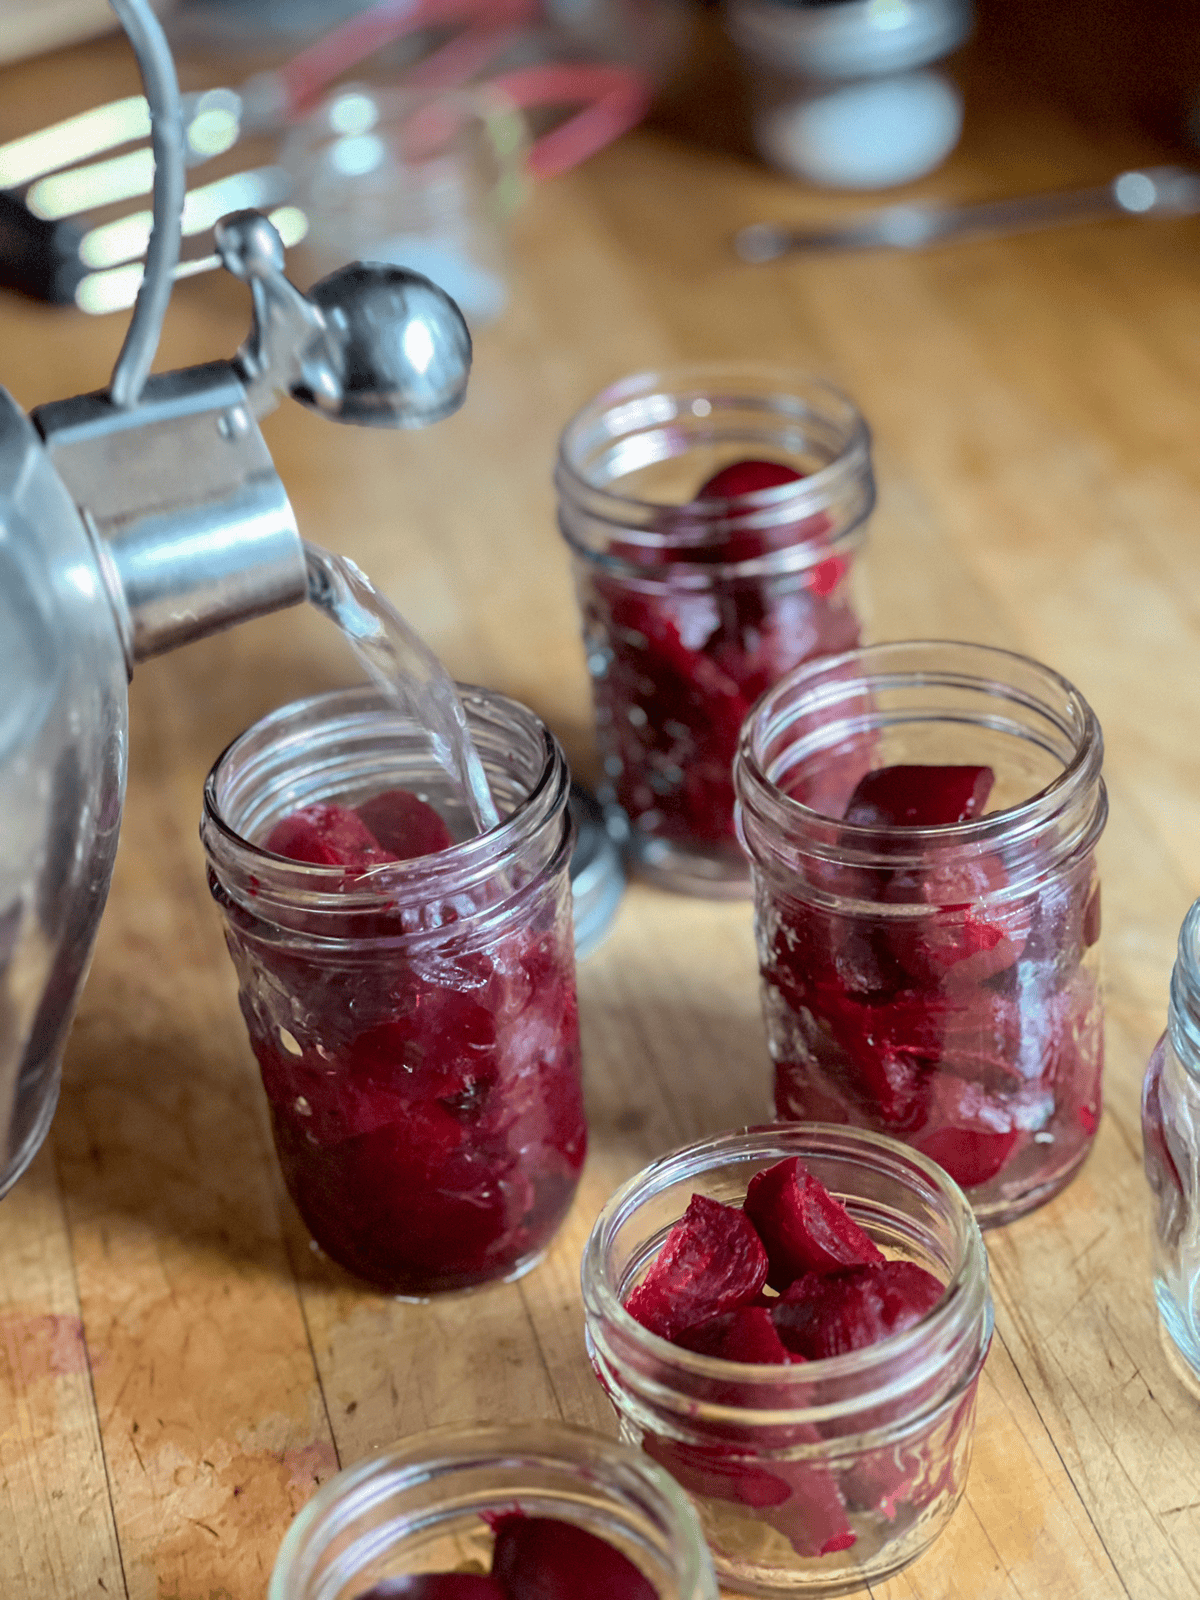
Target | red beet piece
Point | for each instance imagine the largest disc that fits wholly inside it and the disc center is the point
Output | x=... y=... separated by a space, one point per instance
x=544 y=1558
x=802 y=1226
x=919 y=796
x=799 y=1498
x=963 y=940
x=712 y=1261
x=405 y=825
x=972 y=1132
x=746 y=477
x=327 y=835
x=747 y=1334
x=436 y=1586
x=970 y=1157
x=822 y=1315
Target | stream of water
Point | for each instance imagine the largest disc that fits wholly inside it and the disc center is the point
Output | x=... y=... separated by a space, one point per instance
x=406 y=670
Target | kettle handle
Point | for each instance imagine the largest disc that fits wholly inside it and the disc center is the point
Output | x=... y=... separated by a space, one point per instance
x=170 y=181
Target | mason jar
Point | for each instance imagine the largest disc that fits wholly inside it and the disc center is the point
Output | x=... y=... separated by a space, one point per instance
x=1171 y=1153
x=846 y=95
x=415 y=1023
x=941 y=983
x=695 y=599
x=428 y=1505
x=829 y=1475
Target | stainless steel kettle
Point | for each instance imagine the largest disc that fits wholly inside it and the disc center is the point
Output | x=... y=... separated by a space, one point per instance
x=142 y=517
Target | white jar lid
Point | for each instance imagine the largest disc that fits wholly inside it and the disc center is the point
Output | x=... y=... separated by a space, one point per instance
x=847 y=38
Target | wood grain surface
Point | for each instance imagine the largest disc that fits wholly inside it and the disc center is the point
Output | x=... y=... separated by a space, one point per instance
x=178 y=1369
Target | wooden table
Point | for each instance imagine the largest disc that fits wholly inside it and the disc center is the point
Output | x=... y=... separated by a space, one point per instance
x=178 y=1370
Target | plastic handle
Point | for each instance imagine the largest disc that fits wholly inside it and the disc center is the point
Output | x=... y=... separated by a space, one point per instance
x=37 y=258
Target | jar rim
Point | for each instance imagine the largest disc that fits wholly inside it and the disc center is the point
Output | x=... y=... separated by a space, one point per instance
x=758 y=792
x=324 y=887
x=796 y=393
x=451 y=1444
x=781 y=1140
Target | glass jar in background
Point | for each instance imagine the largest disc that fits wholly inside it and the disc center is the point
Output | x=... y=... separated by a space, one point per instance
x=423 y=179
x=1171 y=1152
x=940 y=984
x=844 y=95
x=416 y=1026
x=421 y=1507
x=829 y=1475
x=694 y=603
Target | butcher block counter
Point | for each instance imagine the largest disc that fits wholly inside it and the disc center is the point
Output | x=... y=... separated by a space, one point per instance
x=179 y=1369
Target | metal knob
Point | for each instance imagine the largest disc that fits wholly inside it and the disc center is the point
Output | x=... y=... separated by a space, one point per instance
x=370 y=344
x=406 y=349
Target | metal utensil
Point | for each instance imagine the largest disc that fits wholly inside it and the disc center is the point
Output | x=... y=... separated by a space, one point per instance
x=1149 y=191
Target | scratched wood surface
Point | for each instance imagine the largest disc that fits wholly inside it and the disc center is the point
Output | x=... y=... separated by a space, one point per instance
x=178 y=1370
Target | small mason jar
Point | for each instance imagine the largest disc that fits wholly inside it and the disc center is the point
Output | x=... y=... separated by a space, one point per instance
x=936 y=983
x=832 y=1474
x=1171 y=1152
x=423 y=1506
x=846 y=95
x=695 y=601
x=416 y=1025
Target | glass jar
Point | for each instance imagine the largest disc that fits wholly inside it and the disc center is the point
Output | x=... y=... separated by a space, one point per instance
x=936 y=983
x=1171 y=1152
x=830 y=1475
x=421 y=178
x=844 y=95
x=416 y=1026
x=421 y=1507
x=691 y=606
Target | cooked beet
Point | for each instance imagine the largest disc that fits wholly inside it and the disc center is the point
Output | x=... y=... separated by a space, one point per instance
x=327 y=835
x=747 y=1334
x=799 y=1498
x=436 y=1586
x=405 y=825
x=802 y=1226
x=712 y=1261
x=545 y=1558
x=829 y=1314
x=919 y=796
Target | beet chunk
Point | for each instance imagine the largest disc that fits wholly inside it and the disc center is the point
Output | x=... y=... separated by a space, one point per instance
x=919 y=796
x=406 y=826
x=712 y=1261
x=436 y=1586
x=799 y=1498
x=327 y=835
x=747 y=1334
x=746 y=477
x=544 y=1558
x=803 y=1228
x=827 y=1315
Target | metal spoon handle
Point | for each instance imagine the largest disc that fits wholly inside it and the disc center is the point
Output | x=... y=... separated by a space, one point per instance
x=1152 y=191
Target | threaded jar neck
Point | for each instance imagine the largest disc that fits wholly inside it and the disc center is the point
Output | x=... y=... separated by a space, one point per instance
x=631 y=461
x=821 y=728
x=350 y=744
